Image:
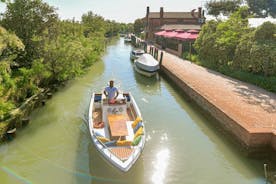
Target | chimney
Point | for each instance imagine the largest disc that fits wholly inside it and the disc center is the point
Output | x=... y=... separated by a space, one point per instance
x=161 y=15
x=147 y=23
x=199 y=12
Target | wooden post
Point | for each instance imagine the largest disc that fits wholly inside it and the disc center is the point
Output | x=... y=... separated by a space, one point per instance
x=145 y=47
x=161 y=58
x=25 y=121
x=11 y=133
x=190 y=51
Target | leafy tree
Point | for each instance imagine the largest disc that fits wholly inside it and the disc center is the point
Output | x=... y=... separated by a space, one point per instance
x=51 y=51
x=223 y=6
x=29 y=20
x=217 y=41
x=262 y=8
x=93 y=23
x=138 y=26
x=126 y=28
x=73 y=50
x=10 y=47
x=256 y=51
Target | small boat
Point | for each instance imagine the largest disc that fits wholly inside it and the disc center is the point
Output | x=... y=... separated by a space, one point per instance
x=127 y=39
x=117 y=129
x=146 y=65
x=135 y=54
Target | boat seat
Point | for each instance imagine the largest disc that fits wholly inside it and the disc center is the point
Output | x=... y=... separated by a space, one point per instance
x=130 y=131
x=102 y=131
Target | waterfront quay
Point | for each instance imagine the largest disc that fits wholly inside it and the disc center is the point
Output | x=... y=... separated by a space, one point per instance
x=245 y=111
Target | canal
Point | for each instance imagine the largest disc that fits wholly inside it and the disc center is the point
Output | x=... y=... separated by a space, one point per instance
x=183 y=145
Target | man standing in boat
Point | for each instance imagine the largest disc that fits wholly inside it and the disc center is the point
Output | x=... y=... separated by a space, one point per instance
x=111 y=92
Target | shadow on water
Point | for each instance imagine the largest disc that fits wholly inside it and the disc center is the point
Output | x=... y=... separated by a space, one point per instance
x=213 y=130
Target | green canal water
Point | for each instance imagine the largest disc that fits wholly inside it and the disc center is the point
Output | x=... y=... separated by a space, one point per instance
x=182 y=144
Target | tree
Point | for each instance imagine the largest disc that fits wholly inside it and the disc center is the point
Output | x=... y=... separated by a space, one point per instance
x=30 y=20
x=225 y=7
x=93 y=23
x=262 y=8
x=138 y=26
x=10 y=47
x=218 y=40
x=256 y=51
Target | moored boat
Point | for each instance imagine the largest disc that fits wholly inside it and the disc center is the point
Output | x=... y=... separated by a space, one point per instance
x=146 y=65
x=135 y=54
x=127 y=39
x=117 y=129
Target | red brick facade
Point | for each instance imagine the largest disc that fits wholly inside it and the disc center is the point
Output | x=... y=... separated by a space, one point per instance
x=155 y=20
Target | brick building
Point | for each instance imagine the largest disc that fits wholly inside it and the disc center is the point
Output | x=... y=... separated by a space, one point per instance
x=156 y=21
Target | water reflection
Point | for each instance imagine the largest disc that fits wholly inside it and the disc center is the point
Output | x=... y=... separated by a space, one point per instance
x=150 y=85
x=160 y=166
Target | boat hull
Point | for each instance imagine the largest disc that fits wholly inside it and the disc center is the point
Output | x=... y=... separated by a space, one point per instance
x=105 y=151
x=143 y=72
x=135 y=54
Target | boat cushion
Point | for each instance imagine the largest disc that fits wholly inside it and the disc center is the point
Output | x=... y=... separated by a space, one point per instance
x=136 y=141
x=140 y=131
x=98 y=125
x=103 y=139
x=123 y=143
x=110 y=143
x=136 y=121
x=137 y=127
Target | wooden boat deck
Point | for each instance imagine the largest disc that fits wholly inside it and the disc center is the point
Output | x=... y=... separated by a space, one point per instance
x=97 y=115
x=122 y=153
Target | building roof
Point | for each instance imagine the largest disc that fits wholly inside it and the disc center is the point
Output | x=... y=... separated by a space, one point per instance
x=180 y=27
x=177 y=15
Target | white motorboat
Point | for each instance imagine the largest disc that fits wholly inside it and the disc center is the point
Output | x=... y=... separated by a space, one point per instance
x=127 y=39
x=117 y=129
x=135 y=54
x=146 y=65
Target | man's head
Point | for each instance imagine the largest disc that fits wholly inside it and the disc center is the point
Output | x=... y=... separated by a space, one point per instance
x=111 y=83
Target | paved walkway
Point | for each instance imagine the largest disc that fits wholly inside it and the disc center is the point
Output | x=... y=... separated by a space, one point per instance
x=251 y=107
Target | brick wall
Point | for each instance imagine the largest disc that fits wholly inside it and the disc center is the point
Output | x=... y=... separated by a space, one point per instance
x=252 y=142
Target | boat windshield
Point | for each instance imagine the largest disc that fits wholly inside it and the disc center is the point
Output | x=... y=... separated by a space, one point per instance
x=137 y=53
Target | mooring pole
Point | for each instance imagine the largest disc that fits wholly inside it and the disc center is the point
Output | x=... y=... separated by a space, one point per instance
x=145 y=47
x=161 y=58
x=265 y=172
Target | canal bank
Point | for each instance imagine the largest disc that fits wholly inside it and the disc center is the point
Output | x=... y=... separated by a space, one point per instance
x=19 y=117
x=245 y=111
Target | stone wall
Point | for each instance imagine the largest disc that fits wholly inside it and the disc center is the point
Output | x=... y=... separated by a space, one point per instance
x=259 y=142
